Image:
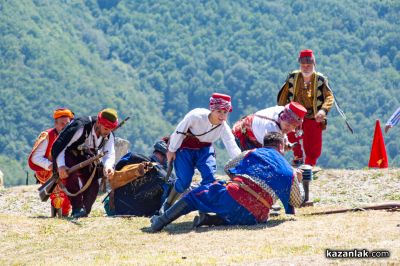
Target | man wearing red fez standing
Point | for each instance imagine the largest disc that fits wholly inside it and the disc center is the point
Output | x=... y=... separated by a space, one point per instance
x=249 y=132
x=190 y=146
x=310 y=89
x=41 y=162
x=80 y=140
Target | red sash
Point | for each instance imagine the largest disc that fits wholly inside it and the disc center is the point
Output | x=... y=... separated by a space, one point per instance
x=248 y=201
x=191 y=142
x=242 y=129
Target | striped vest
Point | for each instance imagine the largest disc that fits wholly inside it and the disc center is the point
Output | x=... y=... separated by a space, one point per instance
x=318 y=82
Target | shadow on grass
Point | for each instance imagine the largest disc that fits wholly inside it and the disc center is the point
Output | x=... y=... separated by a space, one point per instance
x=68 y=219
x=187 y=227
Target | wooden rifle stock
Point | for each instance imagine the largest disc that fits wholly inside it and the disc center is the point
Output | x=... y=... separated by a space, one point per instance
x=48 y=187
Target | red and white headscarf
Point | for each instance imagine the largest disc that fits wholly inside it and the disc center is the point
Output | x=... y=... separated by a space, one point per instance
x=219 y=101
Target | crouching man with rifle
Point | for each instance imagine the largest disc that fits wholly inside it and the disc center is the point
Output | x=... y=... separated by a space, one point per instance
x=40 y=161
x=84 y=138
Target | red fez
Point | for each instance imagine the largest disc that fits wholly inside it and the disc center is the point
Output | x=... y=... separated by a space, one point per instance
x=306 y=57
x=219 y=101
x=293 y=113
x=298 y=109
x=306 y=53
x=63 y=112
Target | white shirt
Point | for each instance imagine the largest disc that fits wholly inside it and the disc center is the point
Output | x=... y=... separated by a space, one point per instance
x=92 y=141
x=38 y=155
x=262 y=126
x=198 y=123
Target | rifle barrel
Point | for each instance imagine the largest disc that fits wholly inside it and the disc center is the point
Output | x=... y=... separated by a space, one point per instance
x=85 y=163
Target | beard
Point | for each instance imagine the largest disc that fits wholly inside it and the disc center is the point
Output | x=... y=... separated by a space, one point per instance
x=307 y=74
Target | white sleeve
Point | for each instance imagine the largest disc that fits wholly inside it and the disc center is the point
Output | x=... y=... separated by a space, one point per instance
x=61 y=157
x=109 y=158
x=176 y=139
x=38 y=155
x=229 y=141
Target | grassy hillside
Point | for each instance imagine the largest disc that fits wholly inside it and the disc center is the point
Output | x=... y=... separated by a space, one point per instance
x=156 y=60
x=29 y=236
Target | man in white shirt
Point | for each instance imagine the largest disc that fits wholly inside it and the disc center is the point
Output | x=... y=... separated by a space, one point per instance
x=257 y=179
x=41 y=162
x=190 y=146
x=250 y=130
x=80 y=140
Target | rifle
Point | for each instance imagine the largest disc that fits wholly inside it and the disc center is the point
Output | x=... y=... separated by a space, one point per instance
x=390 y=206
x=122 y=123
x=48 y=187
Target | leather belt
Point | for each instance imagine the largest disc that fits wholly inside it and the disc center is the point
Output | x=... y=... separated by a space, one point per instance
x=253 y=193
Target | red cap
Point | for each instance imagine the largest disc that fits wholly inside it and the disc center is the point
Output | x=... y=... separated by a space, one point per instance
x=306 y=53
x=298 y=109
x=306 y=57
x=219 y=101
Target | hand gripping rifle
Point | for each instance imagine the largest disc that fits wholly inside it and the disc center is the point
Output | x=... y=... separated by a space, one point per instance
x=48 y=187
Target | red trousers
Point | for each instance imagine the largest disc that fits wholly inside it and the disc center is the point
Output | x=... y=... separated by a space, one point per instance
x=60 y=200
x=312 y=141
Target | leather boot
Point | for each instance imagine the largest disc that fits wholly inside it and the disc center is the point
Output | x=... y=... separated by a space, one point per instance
x=207 y=219
x=79 y=213
x=158 y=222
x=172 y=197
x=56 y=212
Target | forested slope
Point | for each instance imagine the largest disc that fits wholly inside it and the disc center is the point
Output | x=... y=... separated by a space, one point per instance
x=156 y=60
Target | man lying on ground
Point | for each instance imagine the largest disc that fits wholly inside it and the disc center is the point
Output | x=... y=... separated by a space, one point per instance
x=257 y=179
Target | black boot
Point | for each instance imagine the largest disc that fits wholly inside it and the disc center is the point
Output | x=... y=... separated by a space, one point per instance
x=56 y=212
x=172 y=197
x=173 y=213
x=79 y=213
x=207 y=219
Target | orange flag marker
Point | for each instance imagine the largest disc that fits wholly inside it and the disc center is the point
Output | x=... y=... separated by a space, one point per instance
x=378 y=157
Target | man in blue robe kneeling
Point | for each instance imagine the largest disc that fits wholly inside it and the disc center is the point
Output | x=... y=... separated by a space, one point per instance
x=257 y=179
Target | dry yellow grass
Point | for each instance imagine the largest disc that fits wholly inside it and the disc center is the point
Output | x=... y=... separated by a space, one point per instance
x=28 y=236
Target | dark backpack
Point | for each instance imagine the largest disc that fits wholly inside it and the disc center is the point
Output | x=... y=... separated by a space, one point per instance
x=142 y=197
